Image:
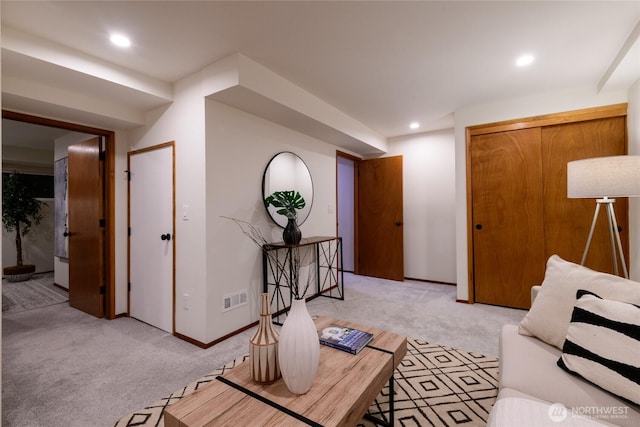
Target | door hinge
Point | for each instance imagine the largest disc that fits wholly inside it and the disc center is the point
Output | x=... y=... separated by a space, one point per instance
x=103 y=290
x=129 y=231
x=129 y=286
x=128 y=175
x=102 y=155
x=102 y=222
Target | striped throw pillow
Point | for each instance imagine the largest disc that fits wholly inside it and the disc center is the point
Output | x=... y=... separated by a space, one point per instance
x=603 y=345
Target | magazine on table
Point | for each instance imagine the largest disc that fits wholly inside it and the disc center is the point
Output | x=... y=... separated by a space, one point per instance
x=345 y=339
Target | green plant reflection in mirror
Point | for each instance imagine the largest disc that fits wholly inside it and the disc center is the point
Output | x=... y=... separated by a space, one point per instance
x=287 y=172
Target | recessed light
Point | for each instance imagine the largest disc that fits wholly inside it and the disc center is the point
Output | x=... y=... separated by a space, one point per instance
x=414 y=125
x=524 y=60
x=120 y=40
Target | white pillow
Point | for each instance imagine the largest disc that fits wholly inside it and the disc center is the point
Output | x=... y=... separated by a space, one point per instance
x=549 y=316
x=603 y=345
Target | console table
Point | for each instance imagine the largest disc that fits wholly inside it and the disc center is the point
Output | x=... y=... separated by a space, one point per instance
x=277 y=266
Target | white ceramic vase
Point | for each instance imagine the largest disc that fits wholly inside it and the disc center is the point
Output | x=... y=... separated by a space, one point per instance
x=263 y=347
x=298 y=349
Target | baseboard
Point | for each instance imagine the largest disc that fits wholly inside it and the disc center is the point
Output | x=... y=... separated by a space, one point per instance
x=437 y=282
x=61 y=287
x=214 y=342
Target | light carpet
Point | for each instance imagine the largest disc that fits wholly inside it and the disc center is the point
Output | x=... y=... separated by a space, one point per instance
x=435 y=385
x=34 y=293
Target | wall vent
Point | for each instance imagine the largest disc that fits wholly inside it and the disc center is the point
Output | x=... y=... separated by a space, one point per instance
x=235 y=300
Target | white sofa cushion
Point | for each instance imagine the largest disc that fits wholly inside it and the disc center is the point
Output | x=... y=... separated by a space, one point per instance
x=513 y=408
x=603 y=345
x=529 y=366
x=549 y=316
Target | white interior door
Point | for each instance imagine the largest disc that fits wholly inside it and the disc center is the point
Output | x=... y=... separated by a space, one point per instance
x=151 y=239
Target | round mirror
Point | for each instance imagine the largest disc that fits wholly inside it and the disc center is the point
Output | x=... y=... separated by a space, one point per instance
x=287 y=172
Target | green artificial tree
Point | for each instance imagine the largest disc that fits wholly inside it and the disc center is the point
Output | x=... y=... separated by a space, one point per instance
x=20 y=211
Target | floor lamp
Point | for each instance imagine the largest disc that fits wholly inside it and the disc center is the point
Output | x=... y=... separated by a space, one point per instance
x=602 y=178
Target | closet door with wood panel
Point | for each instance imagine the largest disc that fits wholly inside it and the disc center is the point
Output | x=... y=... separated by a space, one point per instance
x=568 y=221
x=508 y=240
x=520 y=213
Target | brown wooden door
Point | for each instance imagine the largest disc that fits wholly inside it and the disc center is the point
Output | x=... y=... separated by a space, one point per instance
x=380 y=230
x=86 y=269
x=568 y=221
x=508 y=239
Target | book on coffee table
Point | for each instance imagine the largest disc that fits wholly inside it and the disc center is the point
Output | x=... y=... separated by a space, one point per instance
x=345 y=339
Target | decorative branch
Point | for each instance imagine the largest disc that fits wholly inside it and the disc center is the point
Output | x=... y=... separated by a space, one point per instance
x=293 y=279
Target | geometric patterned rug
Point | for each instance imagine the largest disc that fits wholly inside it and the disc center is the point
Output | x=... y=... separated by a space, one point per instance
x=434 y=386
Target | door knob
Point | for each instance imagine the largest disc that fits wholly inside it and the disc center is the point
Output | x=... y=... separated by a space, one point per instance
x=478 y=226
x=66 y=234
x=165 y=236
x=398 y=223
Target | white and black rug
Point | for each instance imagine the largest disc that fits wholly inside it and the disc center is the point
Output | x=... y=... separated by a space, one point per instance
x=434 y=386
x=34 y=293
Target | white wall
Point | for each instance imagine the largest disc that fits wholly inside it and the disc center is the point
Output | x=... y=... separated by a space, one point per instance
x=221 y=154
x=429 y=204
x=633 y=126
x=238 y=149
x=182 y=122
x=541 y=104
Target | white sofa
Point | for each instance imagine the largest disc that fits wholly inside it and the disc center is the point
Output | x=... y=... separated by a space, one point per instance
x=534 y=390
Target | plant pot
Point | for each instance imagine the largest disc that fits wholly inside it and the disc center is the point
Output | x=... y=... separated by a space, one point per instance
x=299 y=349
x=292 y=234
x=19 y=273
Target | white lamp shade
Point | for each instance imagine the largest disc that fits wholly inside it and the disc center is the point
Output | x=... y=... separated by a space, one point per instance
x=614 y=176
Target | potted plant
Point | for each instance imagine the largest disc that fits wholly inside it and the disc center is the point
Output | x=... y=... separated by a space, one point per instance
x=289 y=203
x=20 y=210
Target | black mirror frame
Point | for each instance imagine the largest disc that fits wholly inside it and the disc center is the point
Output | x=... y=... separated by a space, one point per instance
x=309 y=203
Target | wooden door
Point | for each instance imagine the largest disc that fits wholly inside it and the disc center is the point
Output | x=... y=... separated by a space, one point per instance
x=507 y=215
x=380 y=234
x=152 y=236
x=86 y=242
x=568 y=221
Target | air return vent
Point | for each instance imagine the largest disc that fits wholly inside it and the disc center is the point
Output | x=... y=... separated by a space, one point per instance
x=234 y=300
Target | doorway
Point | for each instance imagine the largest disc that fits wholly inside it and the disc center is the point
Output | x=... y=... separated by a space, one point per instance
x=106 y=288
x=346 y=211
x=378 y=223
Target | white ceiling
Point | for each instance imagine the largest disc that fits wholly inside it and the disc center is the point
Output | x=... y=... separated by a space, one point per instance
x=27 y=135
x=384 y=63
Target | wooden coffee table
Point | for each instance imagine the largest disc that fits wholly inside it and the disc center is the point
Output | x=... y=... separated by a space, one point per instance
x=343 y=390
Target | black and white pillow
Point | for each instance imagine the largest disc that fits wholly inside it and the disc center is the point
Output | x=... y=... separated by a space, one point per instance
x=603 y=345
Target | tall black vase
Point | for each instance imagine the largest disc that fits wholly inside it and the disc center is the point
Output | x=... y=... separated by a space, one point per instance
x=292 y=234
